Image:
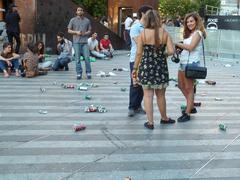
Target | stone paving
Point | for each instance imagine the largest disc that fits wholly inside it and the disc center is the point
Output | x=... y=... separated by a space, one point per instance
x=36 y=146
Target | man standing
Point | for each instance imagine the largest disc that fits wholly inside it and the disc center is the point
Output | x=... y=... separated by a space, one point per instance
x=64 y=48
x=12 y=23
x=136 y=92
x=127 y=24
x=80 y=28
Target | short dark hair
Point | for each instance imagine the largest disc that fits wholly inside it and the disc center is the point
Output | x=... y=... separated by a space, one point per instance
x=143 y=9
x=6 y=44
x=61 y=34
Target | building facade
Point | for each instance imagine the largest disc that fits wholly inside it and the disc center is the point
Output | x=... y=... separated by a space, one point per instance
x=119 y=9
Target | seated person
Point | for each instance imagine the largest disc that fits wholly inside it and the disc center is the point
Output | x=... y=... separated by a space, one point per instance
x=106 y=46
x=30 y=61
x=9 y=60
x=64 y=48
x=93 y=47
x=42 y=64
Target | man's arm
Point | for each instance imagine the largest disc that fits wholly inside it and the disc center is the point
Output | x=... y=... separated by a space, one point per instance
x=71 y=31
x=79 y=33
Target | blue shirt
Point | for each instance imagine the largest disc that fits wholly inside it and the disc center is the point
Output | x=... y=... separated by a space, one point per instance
x=135 y=31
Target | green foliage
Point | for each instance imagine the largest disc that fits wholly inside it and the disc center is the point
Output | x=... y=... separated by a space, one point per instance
x=96 y=8
x=174 y=8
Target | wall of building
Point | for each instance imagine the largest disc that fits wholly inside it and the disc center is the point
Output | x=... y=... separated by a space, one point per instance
x=54 y=15
x=27 y=11
x=114 y=5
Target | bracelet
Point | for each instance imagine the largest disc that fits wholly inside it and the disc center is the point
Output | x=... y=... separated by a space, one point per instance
x=134 y=68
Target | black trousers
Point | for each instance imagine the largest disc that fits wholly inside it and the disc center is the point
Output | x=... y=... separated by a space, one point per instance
x=16 y=36
x=135 y=93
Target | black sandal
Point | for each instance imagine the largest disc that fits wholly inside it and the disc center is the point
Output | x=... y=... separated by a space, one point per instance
x=169 y=121
x=148 y=126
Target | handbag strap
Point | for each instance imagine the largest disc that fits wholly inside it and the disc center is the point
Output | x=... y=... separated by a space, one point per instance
x=203 y=53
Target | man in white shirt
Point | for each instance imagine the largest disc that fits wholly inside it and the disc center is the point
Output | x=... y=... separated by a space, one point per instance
x=127 y=24
x=93 y=47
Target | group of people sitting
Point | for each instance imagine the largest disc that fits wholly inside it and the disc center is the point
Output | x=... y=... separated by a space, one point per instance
x=104 y=50
x=33 y=62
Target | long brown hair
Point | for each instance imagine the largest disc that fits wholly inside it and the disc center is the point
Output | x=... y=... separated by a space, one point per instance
x=40 y=51
x=153 y=21
x=199 y=25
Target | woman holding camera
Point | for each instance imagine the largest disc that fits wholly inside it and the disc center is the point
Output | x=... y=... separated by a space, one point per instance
x=193 y=34
x=150 y=66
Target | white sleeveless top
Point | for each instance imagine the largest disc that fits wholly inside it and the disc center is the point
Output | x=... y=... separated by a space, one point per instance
x=196 y=55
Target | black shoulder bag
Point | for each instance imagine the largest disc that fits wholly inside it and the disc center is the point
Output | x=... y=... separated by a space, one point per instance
x=196 y=72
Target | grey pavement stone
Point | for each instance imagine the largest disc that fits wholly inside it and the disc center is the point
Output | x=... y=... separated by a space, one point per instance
x=35 y=146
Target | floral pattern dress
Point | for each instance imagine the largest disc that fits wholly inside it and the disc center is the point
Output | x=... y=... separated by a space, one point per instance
x=153 y=69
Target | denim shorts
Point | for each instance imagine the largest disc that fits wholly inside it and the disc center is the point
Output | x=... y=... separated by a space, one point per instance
x=182 y=67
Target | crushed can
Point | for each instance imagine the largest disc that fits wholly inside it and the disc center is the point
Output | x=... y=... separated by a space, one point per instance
x=223 y=127
x=88 y=97
x=127 y=178
x=79 y=127
x=101 y=109
x=123 y=89
x=183 y=107
x=82 y=88
x=42 y=112
x=70 y=86
x=43 y=90
x=91 y=108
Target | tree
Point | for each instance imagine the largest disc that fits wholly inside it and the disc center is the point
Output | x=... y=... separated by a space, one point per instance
x=174 y=8
x=96 y=8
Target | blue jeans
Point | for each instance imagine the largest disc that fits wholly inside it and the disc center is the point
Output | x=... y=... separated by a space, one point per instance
x=82 y=48
x=135 y=93
x=61 y=63
x=4 y=66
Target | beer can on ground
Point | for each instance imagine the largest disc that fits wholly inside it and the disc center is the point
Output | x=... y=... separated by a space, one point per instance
x=78 y=127
x=222 y=127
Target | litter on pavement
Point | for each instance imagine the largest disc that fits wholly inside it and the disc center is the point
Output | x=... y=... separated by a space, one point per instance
x=222 y=126
x=210 y=82
x=218 y=99
x=43 y=90
x=93 y=108
x=42 y=112
x=79 y=127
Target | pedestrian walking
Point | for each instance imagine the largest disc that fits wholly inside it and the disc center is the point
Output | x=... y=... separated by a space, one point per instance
x=193 y=34
x=151 y=67
x=136 y=92
x=80 y=28
x=12 y=20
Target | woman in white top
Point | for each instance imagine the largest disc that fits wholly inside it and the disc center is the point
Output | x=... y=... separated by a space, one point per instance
x=192 y=53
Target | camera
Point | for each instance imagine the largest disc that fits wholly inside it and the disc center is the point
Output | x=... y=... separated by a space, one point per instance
x=175 y=58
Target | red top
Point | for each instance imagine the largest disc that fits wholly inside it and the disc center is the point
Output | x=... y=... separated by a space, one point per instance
x=105 y=43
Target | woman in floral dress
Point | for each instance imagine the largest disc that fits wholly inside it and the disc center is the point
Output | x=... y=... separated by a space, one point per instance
x=150 y=67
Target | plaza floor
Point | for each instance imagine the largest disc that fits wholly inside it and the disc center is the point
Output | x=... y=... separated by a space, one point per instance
x=35 y=146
